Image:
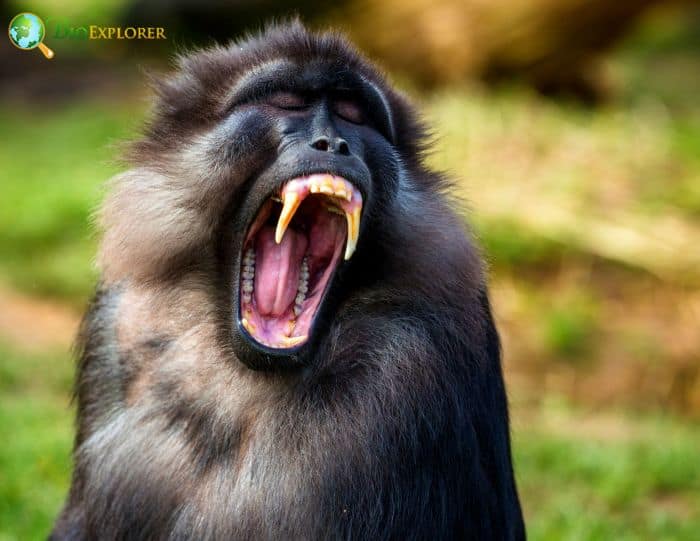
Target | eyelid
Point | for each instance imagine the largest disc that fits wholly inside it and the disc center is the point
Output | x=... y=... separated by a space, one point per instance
x=350 y=110
x=286 y=100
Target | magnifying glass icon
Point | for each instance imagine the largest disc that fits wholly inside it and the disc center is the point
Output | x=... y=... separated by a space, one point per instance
x=27 y=31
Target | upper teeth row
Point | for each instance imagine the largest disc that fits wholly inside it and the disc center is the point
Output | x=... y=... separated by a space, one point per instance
x=248 y=275
x=329 y=187
x=325 y=184
x=294 y=193
x=302 y=288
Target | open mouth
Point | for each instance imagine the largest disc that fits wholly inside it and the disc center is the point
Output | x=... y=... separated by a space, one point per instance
x=290 y=254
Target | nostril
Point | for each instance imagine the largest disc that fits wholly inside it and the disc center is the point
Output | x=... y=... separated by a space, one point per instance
x=322 y=144
x=337 y=144
x=343 y=147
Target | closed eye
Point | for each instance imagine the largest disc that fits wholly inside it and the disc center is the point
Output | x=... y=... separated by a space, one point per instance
x=349 y=110
x=288 y=101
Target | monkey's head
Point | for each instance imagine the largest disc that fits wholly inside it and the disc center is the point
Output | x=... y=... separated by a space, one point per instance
x=267 y=170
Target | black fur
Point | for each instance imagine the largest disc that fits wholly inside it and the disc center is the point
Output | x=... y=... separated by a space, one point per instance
x=391 y=424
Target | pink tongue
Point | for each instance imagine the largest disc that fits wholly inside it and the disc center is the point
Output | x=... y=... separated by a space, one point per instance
x=277 y=270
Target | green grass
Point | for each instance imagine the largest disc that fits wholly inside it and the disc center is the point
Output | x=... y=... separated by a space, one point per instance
x=569 y=330
x=54 y=164
x=640 y=480
x=581 y=476
x=35 y=453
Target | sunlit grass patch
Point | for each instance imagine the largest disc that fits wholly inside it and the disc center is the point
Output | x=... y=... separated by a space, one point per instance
x=613 y=183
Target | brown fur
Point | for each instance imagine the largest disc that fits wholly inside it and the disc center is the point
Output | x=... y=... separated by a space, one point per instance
x=391 y=424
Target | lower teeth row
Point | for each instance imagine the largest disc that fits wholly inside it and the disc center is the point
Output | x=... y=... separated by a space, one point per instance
x=303 y=287
x=248 y=275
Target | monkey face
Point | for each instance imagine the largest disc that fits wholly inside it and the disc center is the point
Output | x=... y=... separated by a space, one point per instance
x=268 y=174
x=306 y=209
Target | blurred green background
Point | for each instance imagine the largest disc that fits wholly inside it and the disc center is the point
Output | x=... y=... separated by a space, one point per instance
x=573 y=130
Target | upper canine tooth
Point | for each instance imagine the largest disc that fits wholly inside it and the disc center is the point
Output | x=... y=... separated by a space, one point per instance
x=353 y=219
x=291 y=204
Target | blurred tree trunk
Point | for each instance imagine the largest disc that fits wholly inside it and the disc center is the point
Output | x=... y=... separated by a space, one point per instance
x=551 y=44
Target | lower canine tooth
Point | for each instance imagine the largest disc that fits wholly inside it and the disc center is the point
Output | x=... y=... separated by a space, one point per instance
x=293 y=341
x=248 y=325
x=289 y=327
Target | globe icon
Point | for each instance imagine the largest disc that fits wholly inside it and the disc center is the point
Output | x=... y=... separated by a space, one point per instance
x=27 y=31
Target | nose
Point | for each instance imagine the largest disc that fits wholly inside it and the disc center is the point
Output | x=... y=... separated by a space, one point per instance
x=331 y=144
